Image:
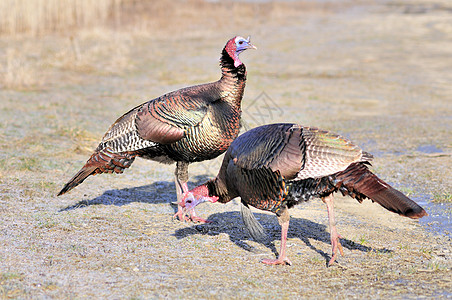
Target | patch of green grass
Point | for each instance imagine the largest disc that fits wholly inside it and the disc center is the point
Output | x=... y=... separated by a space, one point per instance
x=412 y=270
x=436 y=266
x=313 y=97
x=4 y=162
x=402 y=247
x=217 y=244
x=47 y=223
x=44 y=221
x=251 y=281
x=444 y=197
x=318 y=260
x=379 y=253
x=75 y=133
x=84 y=140
x=362 y=240
x=335 y=271
x=29 y=192
x=381 y=272
x=9 y=275
x=28 y=164
x=197 y=246
x=45 y=185
x=79 y=250
x=49 y=286
x=426 y=252
x=407 y=191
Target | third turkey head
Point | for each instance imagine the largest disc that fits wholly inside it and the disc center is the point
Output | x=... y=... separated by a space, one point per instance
x=237 y=45
x=196 y=196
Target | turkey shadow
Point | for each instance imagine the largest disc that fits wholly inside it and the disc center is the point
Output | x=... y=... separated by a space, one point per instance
x=157 y=192
x=154 y=193
x=230 y=223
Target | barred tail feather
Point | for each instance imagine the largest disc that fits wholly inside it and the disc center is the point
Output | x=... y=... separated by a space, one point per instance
x=103 y=161
x=361 y=183
x=77 y=179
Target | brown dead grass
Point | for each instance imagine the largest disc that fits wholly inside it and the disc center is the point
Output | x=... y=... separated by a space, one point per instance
x=18 y=73
x=37 y=17
x=98 y=37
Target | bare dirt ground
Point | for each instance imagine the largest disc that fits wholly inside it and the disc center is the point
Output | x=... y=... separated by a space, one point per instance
x=378 y=73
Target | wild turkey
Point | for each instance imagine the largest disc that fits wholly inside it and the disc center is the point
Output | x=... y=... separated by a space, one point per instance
x=275 y=167
x=188 y=125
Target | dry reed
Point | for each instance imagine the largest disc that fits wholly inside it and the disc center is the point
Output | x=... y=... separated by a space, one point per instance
x=38 y=17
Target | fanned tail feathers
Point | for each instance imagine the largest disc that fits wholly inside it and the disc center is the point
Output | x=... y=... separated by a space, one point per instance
x=358 y=182
x=103 y=161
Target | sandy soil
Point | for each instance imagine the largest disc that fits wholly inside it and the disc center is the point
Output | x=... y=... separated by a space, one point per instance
x=378 y=73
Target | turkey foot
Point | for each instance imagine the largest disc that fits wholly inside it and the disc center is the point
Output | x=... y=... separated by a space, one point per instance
x=334 y=236
x=193 y=217
x=182 y=216
x=336 y=244
x=181 y=187
x=279 y=261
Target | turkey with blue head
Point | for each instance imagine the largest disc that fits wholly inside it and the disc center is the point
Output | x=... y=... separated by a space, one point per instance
x=192 y=124
x=277 y=166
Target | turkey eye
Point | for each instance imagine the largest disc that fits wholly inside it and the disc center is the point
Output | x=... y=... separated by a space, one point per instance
x=241 y=42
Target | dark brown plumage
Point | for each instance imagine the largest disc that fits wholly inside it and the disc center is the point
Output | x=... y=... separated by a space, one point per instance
x=188 y=125
x=275 y=167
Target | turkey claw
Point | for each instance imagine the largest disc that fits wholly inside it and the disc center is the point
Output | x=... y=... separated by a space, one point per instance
x=279 y=261
x=180 y=215
x=199 y=220
x=336 y=243
x=189 y=218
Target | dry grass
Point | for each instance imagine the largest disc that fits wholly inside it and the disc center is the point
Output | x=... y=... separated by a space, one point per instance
x=38 y=17
x=87 y=36
x=18 y=72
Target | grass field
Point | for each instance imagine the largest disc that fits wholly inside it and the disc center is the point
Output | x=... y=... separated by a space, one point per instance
x=378 y=73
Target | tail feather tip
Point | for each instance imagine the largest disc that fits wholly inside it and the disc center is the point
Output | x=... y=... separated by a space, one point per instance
x=416 y=214
x=64 y=190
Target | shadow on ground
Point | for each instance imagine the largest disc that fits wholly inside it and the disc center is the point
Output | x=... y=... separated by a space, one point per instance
x=228 y=223
x=157 y=192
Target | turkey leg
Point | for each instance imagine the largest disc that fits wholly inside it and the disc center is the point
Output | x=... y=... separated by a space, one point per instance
x=335 y=242
x=283 y=220
x=181 y=179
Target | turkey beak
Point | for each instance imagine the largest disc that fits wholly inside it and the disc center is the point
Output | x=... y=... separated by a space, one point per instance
x=250 y=46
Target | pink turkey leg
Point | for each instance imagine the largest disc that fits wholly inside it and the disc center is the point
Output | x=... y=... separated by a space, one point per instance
x=282 y=258
x=336 y=244
x=181 y=188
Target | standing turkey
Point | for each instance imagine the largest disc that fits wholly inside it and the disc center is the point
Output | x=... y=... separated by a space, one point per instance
x=188 y=125
x=275 y=167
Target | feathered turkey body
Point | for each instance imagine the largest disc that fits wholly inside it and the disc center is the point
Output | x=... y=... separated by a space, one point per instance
x=277 y=166
x=188 y=125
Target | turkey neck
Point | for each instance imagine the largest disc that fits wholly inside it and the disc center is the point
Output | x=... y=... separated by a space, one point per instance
x=217 y=188
x=232 y=81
